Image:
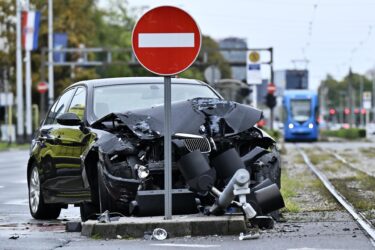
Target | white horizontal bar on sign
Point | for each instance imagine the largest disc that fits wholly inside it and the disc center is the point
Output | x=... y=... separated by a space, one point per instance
x=165 y=40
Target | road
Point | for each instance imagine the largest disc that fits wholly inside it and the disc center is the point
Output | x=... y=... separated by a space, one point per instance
x=306 y=230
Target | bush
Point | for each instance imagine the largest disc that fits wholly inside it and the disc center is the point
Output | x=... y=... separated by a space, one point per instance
x=351 y=133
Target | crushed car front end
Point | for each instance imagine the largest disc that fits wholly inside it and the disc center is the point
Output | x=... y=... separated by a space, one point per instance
x=212 y=139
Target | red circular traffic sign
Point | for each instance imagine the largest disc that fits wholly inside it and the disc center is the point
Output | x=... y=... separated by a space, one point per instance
x=166 y=40
x=271 y=88
x=42 y=87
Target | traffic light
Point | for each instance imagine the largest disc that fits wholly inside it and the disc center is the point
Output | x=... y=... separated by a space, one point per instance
x=270 y=101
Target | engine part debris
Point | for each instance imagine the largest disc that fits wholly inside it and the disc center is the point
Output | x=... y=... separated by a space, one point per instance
x=159 y=234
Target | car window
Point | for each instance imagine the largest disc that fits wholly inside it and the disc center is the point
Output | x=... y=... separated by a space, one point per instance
x=78 y=104
x=120 y=98
x=50 y=116
x=59 y=107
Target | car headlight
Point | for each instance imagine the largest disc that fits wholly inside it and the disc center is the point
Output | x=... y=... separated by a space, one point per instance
x=291 y=125
x=311 y=125
x=142 y=171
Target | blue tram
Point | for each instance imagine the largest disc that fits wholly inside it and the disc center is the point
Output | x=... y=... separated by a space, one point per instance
x=301 y=112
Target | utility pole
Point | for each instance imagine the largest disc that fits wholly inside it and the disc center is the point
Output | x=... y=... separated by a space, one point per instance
x=50 y=54
x=20 y=124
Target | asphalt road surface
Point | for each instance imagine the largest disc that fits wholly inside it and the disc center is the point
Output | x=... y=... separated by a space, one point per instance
x=334 y=230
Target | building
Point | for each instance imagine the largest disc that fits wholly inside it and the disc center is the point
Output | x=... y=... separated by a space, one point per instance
x=290 y=79
x=235 y=56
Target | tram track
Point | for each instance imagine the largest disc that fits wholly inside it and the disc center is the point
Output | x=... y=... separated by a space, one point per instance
x=346 y=162
x=363 y=222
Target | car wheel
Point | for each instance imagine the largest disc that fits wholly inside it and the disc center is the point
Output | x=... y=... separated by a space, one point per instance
x=271 y=166
x=106 y=202
x=38 y=209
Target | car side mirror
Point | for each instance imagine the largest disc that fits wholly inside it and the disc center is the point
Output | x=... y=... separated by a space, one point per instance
x=69 y=119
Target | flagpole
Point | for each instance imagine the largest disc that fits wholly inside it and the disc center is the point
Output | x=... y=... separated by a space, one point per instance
x=20 y=121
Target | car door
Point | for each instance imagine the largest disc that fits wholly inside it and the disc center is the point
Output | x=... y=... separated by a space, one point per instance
x=49 y=154
x=72 y=142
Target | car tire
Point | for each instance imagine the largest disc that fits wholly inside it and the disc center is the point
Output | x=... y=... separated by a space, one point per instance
x=271 y=168
x=106 y=202
x=272 y=171
x=39 y=209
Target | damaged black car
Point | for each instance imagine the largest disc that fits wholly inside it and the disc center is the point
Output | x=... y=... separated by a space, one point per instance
x=100 y=147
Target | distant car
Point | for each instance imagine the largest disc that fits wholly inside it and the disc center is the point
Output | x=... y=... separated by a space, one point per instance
x=101 y=147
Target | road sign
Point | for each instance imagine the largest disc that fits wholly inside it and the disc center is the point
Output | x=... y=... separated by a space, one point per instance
x=254 y=57
x=253 y=73
x=166 y=40
x=42 y=87
x=367 y=100
x=212 y=74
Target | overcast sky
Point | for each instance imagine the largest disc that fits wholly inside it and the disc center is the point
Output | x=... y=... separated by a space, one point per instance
x=332 y=34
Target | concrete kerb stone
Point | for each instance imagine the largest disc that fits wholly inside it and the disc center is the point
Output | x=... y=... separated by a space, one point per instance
x=135 y=227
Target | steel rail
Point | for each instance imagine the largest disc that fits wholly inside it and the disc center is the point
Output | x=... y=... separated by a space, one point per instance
x=359 y=218
x=343 y=160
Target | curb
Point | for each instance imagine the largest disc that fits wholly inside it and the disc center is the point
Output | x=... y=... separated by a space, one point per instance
x=190 y=225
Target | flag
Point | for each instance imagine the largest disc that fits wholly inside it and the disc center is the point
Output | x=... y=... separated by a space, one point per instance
x=30 y=29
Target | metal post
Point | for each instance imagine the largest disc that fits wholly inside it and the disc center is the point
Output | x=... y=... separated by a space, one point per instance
x=255 y=101
x=28 y=95
x=350 y=95
x=272 y=81
x=20 y=124
x=167 y=150
x=28 y=88
x=50 y=54
x=8 y=106
x=361 y=116
x=42 y=79
x=373 y=97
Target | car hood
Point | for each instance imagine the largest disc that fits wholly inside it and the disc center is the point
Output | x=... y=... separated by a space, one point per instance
x=197 y=116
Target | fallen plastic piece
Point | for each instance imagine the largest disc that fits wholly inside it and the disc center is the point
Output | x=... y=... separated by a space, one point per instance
x=104 y=217
x=159 y=234
x=14 y=237
x=248 y=236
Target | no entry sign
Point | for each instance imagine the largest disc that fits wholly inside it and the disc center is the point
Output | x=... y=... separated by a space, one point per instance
x=42 y=87
x=166 y=40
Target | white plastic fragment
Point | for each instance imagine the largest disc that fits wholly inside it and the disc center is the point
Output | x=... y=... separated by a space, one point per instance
x=248 y=236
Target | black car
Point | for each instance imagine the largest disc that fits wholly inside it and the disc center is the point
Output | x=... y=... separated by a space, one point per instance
x=101 y=147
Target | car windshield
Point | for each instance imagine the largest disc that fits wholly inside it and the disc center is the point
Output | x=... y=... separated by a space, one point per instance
x=121 y=98
x=301 y=110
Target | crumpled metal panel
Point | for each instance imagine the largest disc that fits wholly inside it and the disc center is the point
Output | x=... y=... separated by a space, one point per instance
x=187 y=117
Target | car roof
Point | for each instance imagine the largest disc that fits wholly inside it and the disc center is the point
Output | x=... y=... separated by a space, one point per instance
x=132 y=80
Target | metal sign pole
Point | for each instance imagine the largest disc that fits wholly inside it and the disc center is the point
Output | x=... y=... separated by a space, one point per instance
x=255 y=95
x=167 y=150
